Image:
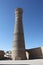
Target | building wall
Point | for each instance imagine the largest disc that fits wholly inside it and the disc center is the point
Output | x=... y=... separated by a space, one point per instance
x=35 y=53
x=1 y=54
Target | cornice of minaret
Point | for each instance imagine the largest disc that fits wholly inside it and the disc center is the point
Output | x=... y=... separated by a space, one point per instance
x=19 y=11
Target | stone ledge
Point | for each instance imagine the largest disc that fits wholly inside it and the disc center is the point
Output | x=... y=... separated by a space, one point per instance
x=29 y=62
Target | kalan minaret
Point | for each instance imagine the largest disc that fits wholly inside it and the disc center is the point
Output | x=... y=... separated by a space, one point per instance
x=18 y=47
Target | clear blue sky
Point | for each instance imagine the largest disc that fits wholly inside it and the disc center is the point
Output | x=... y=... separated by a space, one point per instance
x=32 y=21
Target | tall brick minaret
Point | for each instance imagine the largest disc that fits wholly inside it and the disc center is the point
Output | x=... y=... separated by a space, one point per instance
x=18 y=48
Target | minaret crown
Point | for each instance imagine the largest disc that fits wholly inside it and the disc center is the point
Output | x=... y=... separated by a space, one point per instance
x=19 y=11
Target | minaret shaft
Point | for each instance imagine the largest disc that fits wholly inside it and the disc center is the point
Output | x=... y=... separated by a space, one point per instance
x=18 y=51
